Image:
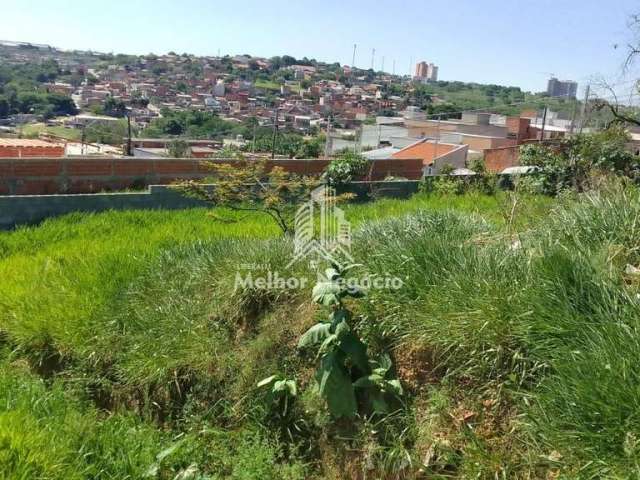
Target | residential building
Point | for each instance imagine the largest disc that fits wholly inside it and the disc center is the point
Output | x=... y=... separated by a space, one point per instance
x=432 y=73
x=561 y=88
x=434 y=155
x=426 y=72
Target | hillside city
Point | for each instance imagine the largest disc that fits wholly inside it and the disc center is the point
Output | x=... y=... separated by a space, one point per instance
x=155 y=106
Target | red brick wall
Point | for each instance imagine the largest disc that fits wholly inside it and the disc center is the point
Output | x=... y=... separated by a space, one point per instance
x=31 y=151
x=19 y=176
x=520 y=128
x=497 y=159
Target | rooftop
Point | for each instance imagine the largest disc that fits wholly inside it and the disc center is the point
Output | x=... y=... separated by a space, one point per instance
x=425 y=150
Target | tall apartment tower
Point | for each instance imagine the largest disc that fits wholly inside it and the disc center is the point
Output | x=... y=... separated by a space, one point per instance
x=432 y=73
x=561 y=88
x=426 y=72
x=421 y=70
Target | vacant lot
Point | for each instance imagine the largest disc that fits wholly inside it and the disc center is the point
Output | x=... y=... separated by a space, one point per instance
x=35 y=129
x=127 y=352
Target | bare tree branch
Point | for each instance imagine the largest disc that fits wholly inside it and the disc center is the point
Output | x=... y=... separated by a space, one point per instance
x=615 y=111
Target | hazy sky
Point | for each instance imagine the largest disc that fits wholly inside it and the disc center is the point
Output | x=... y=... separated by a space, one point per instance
x=506 y=42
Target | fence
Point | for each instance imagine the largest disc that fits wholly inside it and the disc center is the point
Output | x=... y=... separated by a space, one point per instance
x=47 y=176
x=30 y=209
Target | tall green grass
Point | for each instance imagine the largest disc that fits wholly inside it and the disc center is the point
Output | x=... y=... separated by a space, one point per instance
x=527 y=321
x=586 y=329
x=552 y=320
x=46 y=432
x=63 y=279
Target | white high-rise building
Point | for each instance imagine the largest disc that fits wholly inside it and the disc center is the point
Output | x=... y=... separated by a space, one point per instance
x=432 y=73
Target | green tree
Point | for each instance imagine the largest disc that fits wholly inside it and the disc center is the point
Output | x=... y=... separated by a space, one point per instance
x=253 y=186
x=114 y=108
x=447 y=169
x=571 y=163
x=311 y=148
x=137 y=100
x=4 y=107
x=179 y=149
x=343 y=169
x=192 y=123
x=111 y=133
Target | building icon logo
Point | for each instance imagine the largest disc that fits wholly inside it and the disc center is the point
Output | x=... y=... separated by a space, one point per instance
x=330 y=239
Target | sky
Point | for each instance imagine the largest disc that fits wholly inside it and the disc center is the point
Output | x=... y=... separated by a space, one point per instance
x=514 y=43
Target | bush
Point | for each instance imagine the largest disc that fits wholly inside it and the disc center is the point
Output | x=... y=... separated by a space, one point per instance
x=448 y=186
x=343 y=169
x=532 y=184
x=572 y=162
x=179 y=149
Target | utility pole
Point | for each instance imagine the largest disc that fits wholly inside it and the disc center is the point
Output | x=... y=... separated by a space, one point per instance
x=357 y=144
x=410 y=66
x=253 y=144
x=373 y=58
x=128 y=134
x=353 y=58
x=573 y=117
x=573 y=160
x=328 y=142
x=275 y=133
x=435 y=154
x=584 y=108
x=82 y=138
x=544 y=120
x=393 y=72
x=382 y=68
